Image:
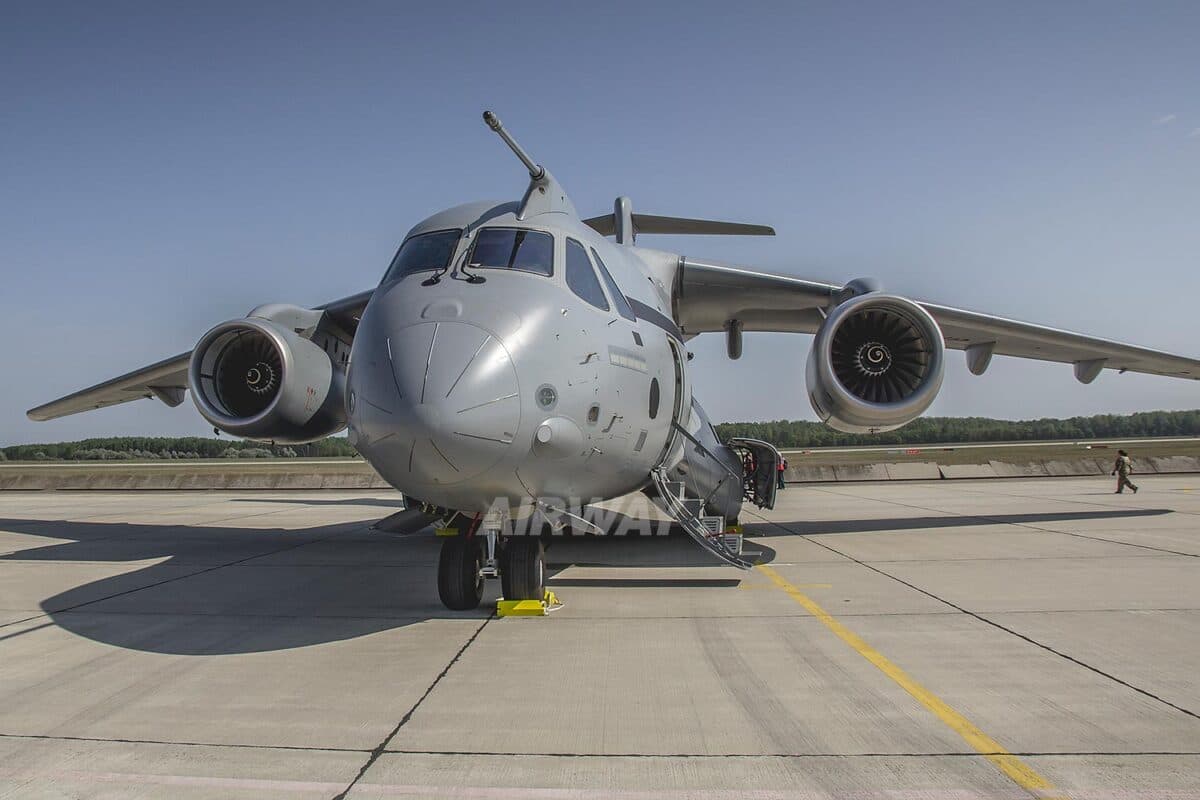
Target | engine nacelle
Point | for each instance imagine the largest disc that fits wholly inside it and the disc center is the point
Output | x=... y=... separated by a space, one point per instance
x=257 y=378
x=876 y=364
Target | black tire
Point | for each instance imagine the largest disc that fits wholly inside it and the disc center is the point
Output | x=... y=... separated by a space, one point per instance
x=460 y=586
x=523 y=569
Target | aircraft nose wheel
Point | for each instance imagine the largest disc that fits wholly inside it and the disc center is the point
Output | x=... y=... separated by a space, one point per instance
x=523 y=569
x=460 y=576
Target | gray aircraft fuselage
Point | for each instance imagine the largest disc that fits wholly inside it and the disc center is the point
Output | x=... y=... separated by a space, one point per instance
x=462 y=394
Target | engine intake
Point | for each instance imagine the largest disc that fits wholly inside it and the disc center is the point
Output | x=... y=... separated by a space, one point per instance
x=258 y=379
x=876 y=364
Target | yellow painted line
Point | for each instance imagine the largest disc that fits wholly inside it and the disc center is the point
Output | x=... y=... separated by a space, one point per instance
x=1017 y=770
x=772 y=586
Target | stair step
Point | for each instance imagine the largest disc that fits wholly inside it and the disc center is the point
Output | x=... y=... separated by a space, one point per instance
x=708 y=531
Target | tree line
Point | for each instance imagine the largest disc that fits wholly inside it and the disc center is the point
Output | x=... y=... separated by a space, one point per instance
x=126 y=448
x=939 y=430
x=781 y=433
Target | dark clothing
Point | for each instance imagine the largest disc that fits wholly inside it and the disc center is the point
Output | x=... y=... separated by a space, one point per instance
x=779 y=472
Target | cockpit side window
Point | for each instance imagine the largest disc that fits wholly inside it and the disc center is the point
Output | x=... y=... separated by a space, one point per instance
x=582 y=278
x=513 y=248
x=422 y=252
x=619 y=300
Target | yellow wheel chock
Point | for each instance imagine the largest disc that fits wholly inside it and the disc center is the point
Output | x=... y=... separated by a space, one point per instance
x=528 y=608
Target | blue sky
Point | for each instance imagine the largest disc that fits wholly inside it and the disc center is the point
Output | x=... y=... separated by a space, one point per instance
x=166 y=166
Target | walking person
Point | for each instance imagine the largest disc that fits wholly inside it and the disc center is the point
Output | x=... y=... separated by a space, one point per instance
x=1121 y=468
x=779 y=472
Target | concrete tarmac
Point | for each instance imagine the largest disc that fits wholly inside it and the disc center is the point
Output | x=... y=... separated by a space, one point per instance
x=966 y=639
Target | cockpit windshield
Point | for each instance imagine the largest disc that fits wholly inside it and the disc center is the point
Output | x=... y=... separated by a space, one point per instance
x=423 y=252
x=513 y=248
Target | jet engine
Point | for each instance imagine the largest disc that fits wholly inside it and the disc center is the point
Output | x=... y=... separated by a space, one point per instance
x=260 y=378
x=876 y=364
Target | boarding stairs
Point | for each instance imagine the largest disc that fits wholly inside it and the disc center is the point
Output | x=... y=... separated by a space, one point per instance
x=708 y=531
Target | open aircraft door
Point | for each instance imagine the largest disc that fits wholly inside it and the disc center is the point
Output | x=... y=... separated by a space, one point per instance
x=760 y=461
x=681 y=407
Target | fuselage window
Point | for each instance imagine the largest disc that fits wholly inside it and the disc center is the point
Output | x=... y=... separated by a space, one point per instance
x=582 y=278
x=618 y=298
x=513 y=248
x=654 y=398
x=422 y=252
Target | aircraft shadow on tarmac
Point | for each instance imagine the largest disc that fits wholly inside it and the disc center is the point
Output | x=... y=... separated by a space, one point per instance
x=348 y=501
x=650 y=583
x=901 y=525
x=225 y=590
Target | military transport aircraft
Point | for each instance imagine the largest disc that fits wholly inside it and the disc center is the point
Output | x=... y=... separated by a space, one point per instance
x=514 y=362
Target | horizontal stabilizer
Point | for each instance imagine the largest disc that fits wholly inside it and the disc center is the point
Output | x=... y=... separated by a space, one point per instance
x=606 y=225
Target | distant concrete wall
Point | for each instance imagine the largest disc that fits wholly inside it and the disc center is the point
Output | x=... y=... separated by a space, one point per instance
x=809 y=473
x=165 y=479
x=1169 y=464
x=967 y=471
x=860 y=472
x=1005 y=469
x=913 y=471
x=930 y=470
x=1082 y=466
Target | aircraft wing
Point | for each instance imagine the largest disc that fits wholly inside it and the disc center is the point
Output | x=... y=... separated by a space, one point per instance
x=168 y=379
x=709 y=295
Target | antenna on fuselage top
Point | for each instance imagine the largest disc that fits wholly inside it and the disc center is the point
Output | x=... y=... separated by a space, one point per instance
x=536 y=171
x=544 y=195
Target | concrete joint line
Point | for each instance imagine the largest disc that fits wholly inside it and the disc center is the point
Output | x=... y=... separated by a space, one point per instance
x=382 y=746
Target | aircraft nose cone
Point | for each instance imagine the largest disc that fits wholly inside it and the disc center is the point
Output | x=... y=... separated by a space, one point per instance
x=458 y=401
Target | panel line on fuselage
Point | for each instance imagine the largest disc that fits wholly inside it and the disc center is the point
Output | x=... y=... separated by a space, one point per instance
x=470 y=361
x=438 y=450
x=428 y=361
x=486 y=403
x=484 y=438
x=392 y=370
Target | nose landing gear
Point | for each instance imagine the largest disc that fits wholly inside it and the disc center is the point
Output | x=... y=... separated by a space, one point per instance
x=464 y=564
